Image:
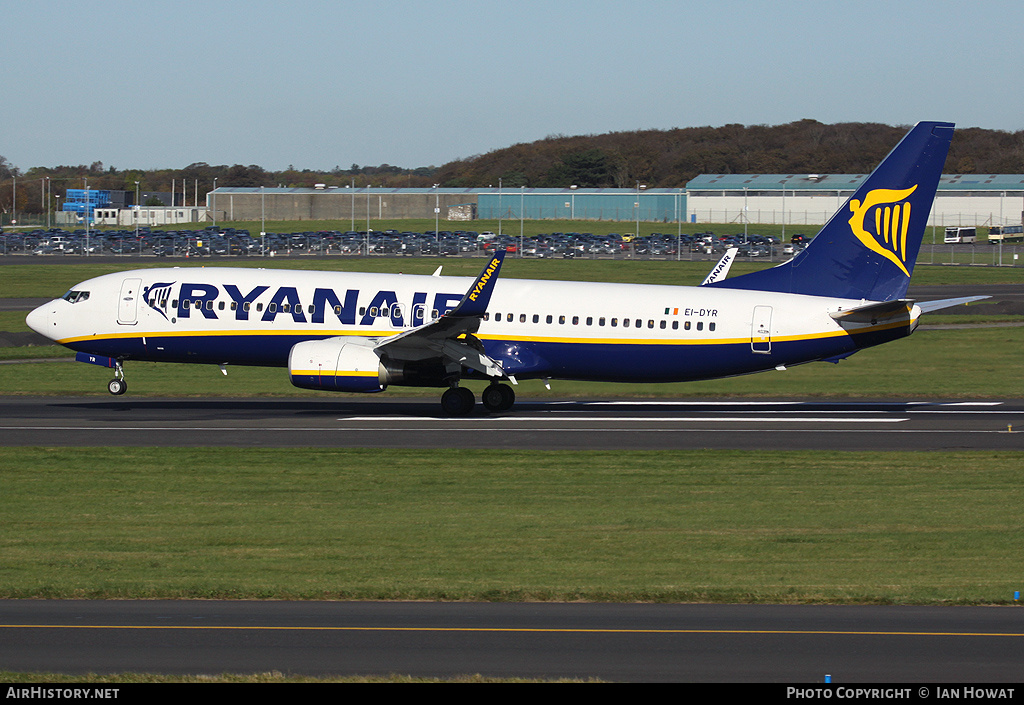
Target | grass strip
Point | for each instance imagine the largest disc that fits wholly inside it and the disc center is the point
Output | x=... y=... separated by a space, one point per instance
x=703 y=526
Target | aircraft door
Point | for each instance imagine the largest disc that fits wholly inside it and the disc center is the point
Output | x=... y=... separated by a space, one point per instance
x=761 y=330
x=128 y=302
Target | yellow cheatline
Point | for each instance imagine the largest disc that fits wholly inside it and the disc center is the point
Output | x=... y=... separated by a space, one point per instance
x=210 y=627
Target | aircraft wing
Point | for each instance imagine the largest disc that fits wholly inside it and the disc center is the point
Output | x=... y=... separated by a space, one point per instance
x=450 y=336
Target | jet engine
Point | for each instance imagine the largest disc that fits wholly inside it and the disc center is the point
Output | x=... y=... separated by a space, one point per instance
x=337 y=364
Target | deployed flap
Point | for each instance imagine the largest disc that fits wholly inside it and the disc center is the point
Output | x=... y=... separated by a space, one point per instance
x=721 y=270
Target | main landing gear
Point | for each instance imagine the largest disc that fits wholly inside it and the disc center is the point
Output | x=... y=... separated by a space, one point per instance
x=118 y=385
x=459 y=401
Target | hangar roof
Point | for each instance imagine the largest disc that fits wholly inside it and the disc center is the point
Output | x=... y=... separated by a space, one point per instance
x=508 y=190
x=844 y=182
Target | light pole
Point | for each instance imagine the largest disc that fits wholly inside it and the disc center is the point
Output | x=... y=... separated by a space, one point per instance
x=437 y=217
x=137 y=211
x=87 y=214
x=263 y=221
x=522 y=203
x=214 y=194
x=639 y=186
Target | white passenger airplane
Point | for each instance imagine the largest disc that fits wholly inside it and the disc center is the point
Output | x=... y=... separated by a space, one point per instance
x=357 y=332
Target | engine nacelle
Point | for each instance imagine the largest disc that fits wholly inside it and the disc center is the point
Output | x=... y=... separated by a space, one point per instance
x=338 y=365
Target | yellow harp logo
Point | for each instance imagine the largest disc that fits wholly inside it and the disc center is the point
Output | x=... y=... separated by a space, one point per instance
x=890 y=213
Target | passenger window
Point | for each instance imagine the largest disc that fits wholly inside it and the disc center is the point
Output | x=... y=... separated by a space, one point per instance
x=590 y=320
x=575 y=320
x=522 y=318
x=508 y=317
x=675 y=325
x=536 y=318
x=700 y=325
x=686 y=326
x=662 y=326
x=561 y=320
x=711 y=326
x=550 y=318
x=615 y=322
x=650 y=323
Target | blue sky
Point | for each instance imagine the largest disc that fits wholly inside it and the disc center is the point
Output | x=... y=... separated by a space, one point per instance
x=319 y=84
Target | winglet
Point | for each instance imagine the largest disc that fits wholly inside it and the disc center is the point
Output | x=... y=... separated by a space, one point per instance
x=474 y=303
x=721 y=270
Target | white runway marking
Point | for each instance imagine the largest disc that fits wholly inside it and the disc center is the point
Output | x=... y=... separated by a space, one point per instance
x=640 y=419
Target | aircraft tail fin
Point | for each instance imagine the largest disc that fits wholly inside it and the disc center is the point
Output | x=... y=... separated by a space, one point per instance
x=868 y=248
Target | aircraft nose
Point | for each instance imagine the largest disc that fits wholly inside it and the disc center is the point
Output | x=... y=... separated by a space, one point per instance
x=39 y=320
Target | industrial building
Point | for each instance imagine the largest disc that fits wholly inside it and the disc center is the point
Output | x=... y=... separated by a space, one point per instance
x=798 y=199
x=360 y=204
x=810 y=199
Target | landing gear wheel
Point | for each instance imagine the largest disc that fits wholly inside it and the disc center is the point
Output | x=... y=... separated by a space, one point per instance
x=498 y=397
x=117 y=387
x=457 y=401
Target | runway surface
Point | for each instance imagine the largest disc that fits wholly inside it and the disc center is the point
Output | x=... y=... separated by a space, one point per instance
x=682 y=643
x=570 y=424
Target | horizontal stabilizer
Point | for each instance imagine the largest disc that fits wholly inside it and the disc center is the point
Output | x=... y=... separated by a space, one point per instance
x=940 y=304
x=869 y=313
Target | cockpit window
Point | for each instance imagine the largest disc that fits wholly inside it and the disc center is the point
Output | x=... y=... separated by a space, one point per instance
x=76 y=296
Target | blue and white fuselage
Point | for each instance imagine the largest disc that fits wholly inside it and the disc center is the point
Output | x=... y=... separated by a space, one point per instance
x=554 y=329
x=359 y=332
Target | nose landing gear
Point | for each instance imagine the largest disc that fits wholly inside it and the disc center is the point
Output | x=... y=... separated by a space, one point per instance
x=118 y=385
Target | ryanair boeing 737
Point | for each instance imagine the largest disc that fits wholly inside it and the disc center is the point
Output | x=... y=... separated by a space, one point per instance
x=357 y=332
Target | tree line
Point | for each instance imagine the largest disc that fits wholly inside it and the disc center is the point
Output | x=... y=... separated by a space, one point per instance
x=655 y=158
